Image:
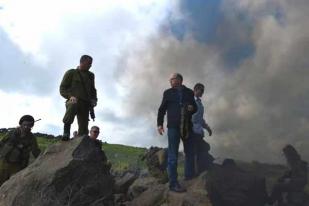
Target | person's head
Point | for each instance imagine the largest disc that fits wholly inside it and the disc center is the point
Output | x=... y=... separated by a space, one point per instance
x=94 y=132
x=228 y=162
x=26 y=123
x=176 y=80
x=291 y=155
x=75 y=134
x=85 y=62
x=199 y=90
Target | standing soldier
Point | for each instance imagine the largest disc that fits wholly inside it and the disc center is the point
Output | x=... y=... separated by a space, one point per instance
x=15 y=148
x=78 y=88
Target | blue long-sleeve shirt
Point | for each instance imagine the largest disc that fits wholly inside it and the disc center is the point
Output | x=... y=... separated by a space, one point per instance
x=198 y=121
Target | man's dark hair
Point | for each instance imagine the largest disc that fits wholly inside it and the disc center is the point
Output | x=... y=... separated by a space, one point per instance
x=291 y=153
x=84 y=58
x=228 y=162
x=199 y=86
x=179 y=76
x=95 y=127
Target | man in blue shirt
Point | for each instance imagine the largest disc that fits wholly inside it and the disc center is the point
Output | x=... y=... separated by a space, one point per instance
x=200 y=147
x=199 y=123
x=176 y=100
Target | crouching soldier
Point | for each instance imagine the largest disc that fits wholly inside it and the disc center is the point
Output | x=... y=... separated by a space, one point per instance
x=293 y=182
x=15 y=148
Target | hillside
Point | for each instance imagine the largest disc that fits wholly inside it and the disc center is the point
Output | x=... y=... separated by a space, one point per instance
x=122 y=157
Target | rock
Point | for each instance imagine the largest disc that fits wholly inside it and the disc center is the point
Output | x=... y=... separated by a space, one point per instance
x=153 y=196
x=123 y=183
x=196 y=194
x=159 y=194
x=119 y=198
x=228 y=185
x=140 y=185
x=67 y=173
x=156 y=161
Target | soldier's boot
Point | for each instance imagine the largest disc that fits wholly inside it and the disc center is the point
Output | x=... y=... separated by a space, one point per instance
x=66 y=132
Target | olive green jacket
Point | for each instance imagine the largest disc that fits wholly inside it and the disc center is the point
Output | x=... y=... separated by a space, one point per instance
x=72 y=85
x=16 y=149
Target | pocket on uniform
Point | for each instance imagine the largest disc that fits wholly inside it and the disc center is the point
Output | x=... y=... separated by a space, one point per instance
x=13 y=156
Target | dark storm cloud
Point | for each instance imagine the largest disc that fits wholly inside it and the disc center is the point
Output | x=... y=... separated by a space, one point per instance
x=255 y=69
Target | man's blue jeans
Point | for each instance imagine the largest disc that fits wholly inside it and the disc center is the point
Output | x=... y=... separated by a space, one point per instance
x=189 y=150
x=173 y=147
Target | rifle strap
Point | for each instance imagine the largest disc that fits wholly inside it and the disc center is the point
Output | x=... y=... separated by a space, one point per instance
x=83 y=83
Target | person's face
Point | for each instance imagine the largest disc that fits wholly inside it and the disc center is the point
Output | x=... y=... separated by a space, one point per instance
x=26 y=126
x=86 y=64
x=199 y=92
x=174 y=81
x=94 y=133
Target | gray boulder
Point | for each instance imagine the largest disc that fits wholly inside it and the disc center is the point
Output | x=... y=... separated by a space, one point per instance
x=147 y=192
x=67 y=173
x=122 y=183
x=140 y=185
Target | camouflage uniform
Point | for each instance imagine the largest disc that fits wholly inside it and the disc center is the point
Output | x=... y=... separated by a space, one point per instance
x=15 y=152
x=292 y=183
x=84 y=90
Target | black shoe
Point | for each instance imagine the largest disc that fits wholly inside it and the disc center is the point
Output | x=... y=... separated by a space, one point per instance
x=65 y=138
x=66 y=132
x=177 y=188
x=188 y=178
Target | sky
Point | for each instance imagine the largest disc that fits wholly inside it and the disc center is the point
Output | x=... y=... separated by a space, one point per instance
x=250 y=54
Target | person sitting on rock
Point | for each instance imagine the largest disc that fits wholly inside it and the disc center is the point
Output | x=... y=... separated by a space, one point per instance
x=93 y=135
x=75 y=134
x=15 y=148
x=293 y=181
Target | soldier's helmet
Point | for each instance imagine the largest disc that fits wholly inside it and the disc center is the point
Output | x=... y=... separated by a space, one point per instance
x=290 y=153
x=27 y=118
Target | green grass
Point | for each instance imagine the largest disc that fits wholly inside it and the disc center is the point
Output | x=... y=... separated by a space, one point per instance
x=44 y=142
x=124 y=157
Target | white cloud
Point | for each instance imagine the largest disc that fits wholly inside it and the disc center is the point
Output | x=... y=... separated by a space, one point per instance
x=48 y=37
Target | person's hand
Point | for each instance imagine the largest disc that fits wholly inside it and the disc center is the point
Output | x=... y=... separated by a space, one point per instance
x=209 y=131
x=93 y=102
x=73 y=100
x=190 y=108
x=160 y=130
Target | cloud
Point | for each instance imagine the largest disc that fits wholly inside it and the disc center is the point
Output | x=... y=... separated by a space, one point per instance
x=251 y=55
x=37 y=51
x=255 y=70
x=19 y=71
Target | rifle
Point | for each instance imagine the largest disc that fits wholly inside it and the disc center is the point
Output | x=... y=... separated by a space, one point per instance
x=184 y=122
x=91 y=112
